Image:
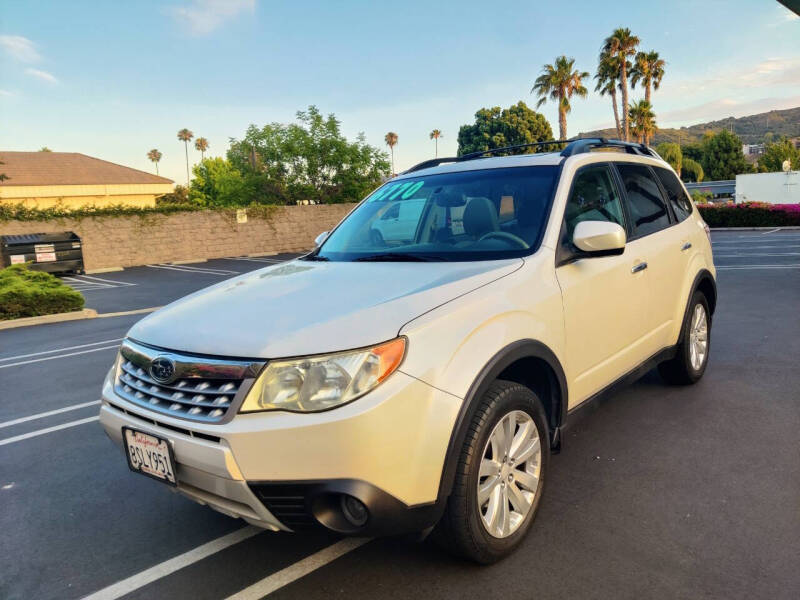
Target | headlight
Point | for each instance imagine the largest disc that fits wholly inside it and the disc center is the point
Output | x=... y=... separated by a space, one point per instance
x=320 y=382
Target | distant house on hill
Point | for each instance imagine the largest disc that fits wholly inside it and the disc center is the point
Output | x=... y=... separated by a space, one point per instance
x=45 y=179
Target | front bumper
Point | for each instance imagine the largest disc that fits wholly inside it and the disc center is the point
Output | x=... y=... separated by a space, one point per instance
x=387 y=449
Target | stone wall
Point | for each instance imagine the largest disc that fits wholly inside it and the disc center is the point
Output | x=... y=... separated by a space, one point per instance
x=110 y=242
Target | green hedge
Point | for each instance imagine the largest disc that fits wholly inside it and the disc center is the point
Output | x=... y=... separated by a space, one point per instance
x=19 y=212
x=26 y=293
x=750 y=214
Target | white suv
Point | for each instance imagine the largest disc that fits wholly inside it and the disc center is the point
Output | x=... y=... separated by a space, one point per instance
x=393 y=383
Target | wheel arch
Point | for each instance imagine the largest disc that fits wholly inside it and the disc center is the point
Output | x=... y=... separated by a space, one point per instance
x=705 y=283
x=528 y=362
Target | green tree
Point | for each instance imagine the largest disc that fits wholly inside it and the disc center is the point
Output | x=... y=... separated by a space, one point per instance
x=777 y=152
x=307 y=160
x=606 y=76
x=201 y=144
x=217 y=182
x=435 y=135
x=391 y=141
x=559 y=82
x=621 y=44
x=722 y=156
x=671 y=153
x=643 y=121
x=691 y=171
x=648 y=68
x=185 y=136
x=155 y=156
x=497 y=128
x=44 y=149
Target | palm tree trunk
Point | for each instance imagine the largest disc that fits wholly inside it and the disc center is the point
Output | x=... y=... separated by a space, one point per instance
x=616 y=112
x=156 y=168
x=623 y=82
x=647 y=92
x=186 y=148
x=392 y=150
x=562 y=119
x=436 y=142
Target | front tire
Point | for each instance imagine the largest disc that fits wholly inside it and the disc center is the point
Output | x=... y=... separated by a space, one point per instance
x=691 y=359
x=500 y=475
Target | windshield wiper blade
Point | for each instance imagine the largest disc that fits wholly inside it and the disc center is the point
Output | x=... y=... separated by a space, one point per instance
x=314 y=257
x=398 y=257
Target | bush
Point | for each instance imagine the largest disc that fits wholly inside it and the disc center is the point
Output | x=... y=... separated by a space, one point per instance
x=750 y=214
x=26 y=293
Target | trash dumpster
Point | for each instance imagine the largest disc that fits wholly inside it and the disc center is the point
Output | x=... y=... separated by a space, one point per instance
x=51 y=252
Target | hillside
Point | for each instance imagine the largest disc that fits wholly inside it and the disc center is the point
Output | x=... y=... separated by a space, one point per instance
x=751 y=129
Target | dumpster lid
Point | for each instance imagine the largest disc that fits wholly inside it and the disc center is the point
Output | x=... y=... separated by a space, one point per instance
x=39 y=238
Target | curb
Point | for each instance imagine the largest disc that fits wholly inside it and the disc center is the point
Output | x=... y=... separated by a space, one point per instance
x=786 y=228
x=86 y=313
x=78 y=315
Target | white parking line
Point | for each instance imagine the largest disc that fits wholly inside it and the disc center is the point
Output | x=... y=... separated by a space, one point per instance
x=49 y=413
x=734 y=267
x=261 y=260
x=748 y=248
x=772 y=231
x=299 y=569
x=35 y=360
x=168 y=567
x=746 y=254
x=18 y=356
x=85 y=283
x=184 y=269
x=38 y=432
x=758 y=240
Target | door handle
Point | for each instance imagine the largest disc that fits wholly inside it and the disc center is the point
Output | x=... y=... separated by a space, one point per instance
x=686 y=246
x=639 y=267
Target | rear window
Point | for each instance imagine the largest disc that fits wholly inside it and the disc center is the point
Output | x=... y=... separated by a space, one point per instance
x=680 y=201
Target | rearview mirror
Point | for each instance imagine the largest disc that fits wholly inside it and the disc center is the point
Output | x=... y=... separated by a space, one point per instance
x=600 y=238
x=320 y=238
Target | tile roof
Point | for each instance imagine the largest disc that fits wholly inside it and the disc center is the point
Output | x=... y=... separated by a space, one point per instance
x=68 y=168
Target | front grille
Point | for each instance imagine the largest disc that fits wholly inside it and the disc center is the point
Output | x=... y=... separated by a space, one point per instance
x=202 y=389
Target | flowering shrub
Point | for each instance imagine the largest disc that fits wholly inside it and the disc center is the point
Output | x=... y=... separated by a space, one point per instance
x=750 y=214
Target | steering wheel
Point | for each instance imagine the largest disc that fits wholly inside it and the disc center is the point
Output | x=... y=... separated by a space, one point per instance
x=505 y=236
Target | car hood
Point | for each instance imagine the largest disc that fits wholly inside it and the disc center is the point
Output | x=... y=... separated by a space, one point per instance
x=304 y=307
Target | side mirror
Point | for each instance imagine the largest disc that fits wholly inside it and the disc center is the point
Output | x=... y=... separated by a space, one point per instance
x=599 y=238
x=320 y=238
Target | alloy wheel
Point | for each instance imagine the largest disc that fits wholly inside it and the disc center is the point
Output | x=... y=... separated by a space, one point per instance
x=509 y=474
x=698 y=337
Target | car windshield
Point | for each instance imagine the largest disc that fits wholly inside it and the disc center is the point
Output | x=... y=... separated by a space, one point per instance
x=471 y=215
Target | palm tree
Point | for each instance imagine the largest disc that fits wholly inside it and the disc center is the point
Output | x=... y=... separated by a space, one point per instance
x=391 y=141
x=155 y=156
x=643 y=121
x=186 y=136
x=606 y=76
x=201 y=144
x=621 y=44
x=558 y=82
x=649 y=69
x=435 y=135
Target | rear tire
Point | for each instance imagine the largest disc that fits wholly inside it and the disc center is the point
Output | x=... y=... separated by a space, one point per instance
x=691 y=359
x=492 y=504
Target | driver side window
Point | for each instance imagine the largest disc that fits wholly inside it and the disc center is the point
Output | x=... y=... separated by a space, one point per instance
x=594 y=197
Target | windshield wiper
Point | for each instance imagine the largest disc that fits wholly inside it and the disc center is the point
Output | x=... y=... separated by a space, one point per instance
x=314 y=257
x=398 y=257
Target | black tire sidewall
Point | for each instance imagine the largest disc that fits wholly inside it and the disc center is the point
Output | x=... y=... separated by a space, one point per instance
x=695 y=374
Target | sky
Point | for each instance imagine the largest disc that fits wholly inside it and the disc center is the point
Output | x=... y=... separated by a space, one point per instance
x=115 y=79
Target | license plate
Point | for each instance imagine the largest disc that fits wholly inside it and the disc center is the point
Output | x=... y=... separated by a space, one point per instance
x=149 y=455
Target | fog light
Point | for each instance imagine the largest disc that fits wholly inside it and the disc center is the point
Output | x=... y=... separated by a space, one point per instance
x=354 y=510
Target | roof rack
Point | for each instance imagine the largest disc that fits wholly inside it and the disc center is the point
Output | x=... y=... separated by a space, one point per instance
x=581 y=145
x=574 y=146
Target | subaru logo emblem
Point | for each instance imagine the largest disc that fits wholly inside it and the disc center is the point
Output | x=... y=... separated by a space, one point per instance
x=162 y=369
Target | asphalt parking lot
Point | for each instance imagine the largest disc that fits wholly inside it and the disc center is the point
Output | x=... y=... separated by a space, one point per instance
x=659 y=492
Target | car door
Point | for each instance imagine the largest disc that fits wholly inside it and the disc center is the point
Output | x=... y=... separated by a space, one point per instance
x=605 y=298
x=660 y=241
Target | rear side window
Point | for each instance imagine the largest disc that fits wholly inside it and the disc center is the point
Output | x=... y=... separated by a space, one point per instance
x=681 y=203
x=594 y=197
x=646 y=206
